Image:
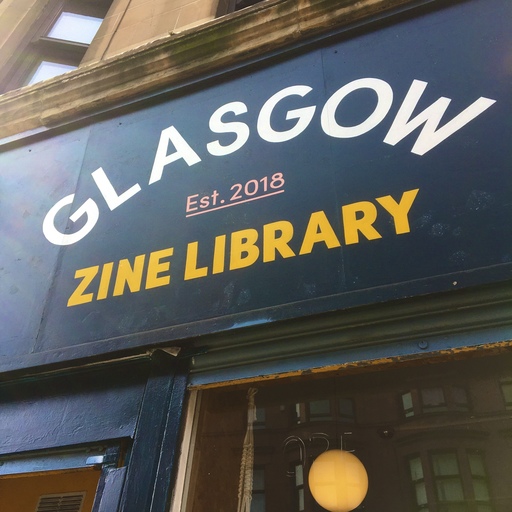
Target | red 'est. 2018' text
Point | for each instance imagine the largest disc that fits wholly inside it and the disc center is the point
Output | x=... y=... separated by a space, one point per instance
x=251 y=190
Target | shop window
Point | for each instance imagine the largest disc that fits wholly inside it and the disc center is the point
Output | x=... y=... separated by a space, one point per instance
x=436 y=463
x=57 y=42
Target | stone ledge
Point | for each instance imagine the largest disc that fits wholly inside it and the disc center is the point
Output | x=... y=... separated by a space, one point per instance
x=177 y=58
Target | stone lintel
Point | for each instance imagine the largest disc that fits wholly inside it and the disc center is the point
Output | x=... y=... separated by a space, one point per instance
x=177 y=58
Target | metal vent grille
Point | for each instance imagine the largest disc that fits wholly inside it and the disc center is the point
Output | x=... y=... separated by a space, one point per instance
x=70 y=502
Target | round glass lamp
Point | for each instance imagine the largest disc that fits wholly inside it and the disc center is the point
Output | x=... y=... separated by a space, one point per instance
x=338 y=481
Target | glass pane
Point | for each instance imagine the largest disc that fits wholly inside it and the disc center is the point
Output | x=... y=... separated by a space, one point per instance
x=75 y=27
x=346 y=408
x=298 y=412
x=432 y=397
x=258 y=503
x=416 y=469
x=421 y=494
x=48 y=70
x=454 y=507
x=407 y=404
x=258 y=480
x=450 y=490
x=299 y=475
x=260 y=417
x=476 y=464
x=460 y=396
x=320 y=408
x=481 y=490
x=301 y=499
x=506 y=388
x=407 y=401
x=445 y=464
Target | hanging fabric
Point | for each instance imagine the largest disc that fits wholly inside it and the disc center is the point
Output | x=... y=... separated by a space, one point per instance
x=246 y=466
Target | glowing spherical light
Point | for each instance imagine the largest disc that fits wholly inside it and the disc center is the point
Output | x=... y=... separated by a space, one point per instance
x=338 y=481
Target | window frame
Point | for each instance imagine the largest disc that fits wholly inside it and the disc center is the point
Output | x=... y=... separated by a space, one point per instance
x=107 y=457
x=36 y=46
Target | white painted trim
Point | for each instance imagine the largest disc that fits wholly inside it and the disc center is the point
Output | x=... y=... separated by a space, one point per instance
x=179 y=498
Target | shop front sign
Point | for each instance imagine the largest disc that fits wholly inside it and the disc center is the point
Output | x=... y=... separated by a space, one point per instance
x=374 y=167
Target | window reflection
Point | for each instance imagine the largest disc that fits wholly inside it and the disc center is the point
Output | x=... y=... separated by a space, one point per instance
x=433 y=438
x=258 y=490
x=433 y=399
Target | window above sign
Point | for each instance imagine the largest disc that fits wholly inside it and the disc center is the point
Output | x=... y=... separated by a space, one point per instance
x=57 y=41
x=75 y=27
x=242 y=4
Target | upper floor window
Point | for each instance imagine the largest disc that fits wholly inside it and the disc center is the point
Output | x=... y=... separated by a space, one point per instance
x=431 y=399
x=258 y=490
x=56 y=43
x=319 y=410
x=261 y=414
x=506 y=390
x=327 y=409
x=346 y=412
x=407 y=404
x=241 y=4
x=75 y=27
x=454 y=481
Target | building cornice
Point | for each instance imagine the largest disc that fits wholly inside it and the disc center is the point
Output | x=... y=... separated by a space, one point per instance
x=178 y=58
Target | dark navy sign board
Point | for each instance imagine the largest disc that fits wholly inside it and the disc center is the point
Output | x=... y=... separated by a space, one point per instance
x=202 y=241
